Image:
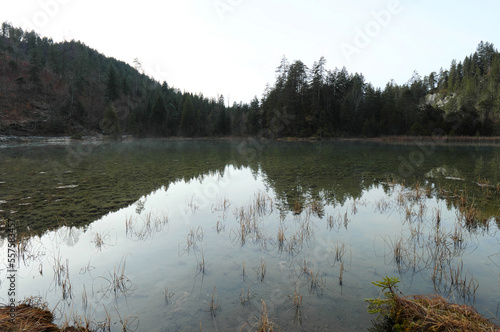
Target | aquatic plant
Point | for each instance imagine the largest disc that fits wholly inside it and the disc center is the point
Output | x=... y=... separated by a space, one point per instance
x=168 y=295
x=201 y=264
x=281 y=238
x=341 y=276
x=316 y=285
x=117 y=282
x=317 y=207
x=262 y=324
x=261 y=270
x=219 y=227
x=297 y=306
x=245 y=297
x=213 y=305
x=340 y=250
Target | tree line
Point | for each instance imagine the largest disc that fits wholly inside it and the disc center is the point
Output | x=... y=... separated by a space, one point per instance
x=84 y=90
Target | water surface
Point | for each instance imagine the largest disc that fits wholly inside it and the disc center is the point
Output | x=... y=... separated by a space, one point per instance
x=151 y=231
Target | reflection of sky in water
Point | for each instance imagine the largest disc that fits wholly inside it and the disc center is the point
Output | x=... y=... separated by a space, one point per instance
x=156 y=257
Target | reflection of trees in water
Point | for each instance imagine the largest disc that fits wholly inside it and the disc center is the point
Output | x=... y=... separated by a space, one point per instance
x=335 y=173
x=116 y=175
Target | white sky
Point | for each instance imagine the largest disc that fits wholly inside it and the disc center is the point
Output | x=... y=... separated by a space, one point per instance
x=232 y=47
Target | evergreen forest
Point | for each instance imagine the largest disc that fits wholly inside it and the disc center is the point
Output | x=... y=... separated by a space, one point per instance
x=67 y=88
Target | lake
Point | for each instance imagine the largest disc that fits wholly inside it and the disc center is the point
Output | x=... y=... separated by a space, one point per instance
x=183 y=235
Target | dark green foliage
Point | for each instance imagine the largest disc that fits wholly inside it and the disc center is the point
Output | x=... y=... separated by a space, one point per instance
x=112 y=85
x=110 y=125
x=302 y=102
x=158 y=117
x=188 y=124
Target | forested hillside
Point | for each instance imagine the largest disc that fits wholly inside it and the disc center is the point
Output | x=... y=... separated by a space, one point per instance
x=67 y=88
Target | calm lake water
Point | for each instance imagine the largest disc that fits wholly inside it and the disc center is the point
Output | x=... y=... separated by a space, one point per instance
x=173 y=235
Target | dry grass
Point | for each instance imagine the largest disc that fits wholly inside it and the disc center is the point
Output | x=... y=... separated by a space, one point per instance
x=261 y=270
x=32 y=316
x=281 y=238
x=219 y=227
x=213 y=305
x=426 y=312
x=434 y=313
x=341 y=276
x=117 y=282
x=297 y=305
x=262 y=324
x=245 y=297
x=340 y=250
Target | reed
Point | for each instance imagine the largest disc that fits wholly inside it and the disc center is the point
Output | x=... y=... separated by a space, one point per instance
x=262 y=204
x=438 y=215
x=408 y=212
x=317 y=283
x=98 y=241
x=316 y=207
x=117 y=282
x=201 y=264
x=355 y=207
x=265 y=324
x=105 y=325
x=281 y=238
x=245 y=297
x=422 y=210
x=61 y=270
x=221 y=205
x=84 y=299
x=261 y=270
x=297 y=207
x=194 y=236
x=297 y=299
x=330 y=221
x=382 y=205
x=398 y=251
x=128 y=323
x=219 y=227
x=168 y=295
x=335 y=222
x=341 y=273
x=470 y=215
x=193 y=204
x=297 y=305
x=340 y=250
x=213 y=305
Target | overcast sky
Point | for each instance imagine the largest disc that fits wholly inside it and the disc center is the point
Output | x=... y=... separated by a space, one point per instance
x=232 y=47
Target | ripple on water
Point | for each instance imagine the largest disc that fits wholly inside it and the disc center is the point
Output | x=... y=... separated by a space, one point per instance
x=69 y=186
